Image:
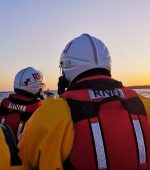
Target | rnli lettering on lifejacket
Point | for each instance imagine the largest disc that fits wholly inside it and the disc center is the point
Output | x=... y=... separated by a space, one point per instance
x=94 y=94
x=17 y=107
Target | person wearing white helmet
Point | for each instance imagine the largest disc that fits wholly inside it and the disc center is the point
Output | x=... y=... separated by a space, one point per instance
x=82 y=54
x=16 y=109
x=96 y=124
x=29 y=80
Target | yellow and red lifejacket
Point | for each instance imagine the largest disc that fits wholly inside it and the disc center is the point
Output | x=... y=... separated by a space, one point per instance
x=16 y=110
x=112 y=131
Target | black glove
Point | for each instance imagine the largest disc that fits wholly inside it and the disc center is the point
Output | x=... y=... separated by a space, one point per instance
x=62 y=84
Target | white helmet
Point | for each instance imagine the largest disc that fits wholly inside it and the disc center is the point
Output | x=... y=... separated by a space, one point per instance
x=30 y=80
x=84 y=53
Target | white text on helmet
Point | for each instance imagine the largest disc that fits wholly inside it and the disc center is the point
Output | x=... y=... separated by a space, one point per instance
x=36 y=76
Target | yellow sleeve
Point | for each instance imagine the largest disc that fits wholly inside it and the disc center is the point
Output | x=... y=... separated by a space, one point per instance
x=4 y=152
x=146 y=102
x=48 y=136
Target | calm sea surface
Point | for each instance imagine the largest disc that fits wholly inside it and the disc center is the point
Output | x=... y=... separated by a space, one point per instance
x=144 y=92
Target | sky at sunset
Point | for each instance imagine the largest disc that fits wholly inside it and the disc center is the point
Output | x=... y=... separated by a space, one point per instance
x=34 y=33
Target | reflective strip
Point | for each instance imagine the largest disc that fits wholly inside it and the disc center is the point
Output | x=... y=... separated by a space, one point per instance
x=3 y=120
x=19 y=131
x=140 y=141
x=99 y=146
x=95 y=94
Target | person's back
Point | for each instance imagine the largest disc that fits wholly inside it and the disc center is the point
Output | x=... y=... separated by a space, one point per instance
x=18 y=107
x=110 y=124
x=96 y=124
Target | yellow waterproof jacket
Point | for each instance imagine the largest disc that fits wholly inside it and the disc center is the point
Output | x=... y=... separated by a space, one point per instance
x=48 y=136
x=5 y=163
x=146 y=102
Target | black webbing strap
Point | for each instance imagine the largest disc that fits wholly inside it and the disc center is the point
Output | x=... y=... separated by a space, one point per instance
x=15 y=100
x=87 y=109
x=11 y=142
x=96 y=84
x=113 y=98
x=67 y=165
x=81 y=110
x=135 y=106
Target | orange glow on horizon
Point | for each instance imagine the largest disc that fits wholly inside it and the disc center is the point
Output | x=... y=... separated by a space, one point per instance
x=52 y=84
x=134 y=80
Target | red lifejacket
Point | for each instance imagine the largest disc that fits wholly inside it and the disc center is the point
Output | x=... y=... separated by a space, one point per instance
x=111 y=127
x=16 y=110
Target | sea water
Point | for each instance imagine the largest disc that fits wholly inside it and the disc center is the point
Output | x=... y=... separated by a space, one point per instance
x=144 y=92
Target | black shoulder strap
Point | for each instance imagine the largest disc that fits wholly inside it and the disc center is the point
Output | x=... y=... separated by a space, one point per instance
x=14 y=99
x=83 y=109
x=67 y=165
x=87 y=109
x=135 y=106
x=12 y=144
x=96 y=84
